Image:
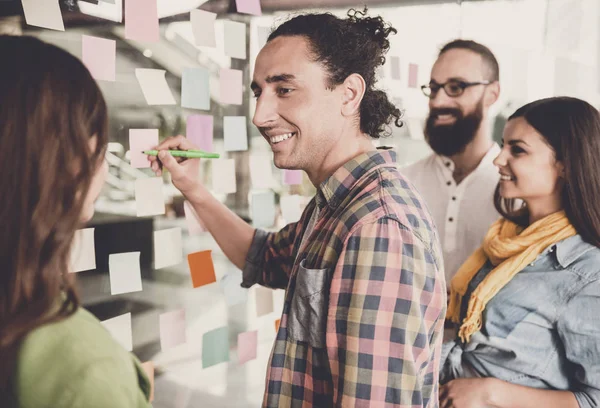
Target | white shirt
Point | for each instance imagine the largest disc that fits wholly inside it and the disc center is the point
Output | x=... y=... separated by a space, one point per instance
x=462 y=212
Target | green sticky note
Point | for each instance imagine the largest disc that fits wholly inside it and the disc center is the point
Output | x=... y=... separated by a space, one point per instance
x=215 y=347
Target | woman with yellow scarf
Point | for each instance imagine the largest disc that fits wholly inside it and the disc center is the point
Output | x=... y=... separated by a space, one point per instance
x=527 y=303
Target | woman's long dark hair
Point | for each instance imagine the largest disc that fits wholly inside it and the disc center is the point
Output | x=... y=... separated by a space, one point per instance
x=571 y=128
x=50 y=108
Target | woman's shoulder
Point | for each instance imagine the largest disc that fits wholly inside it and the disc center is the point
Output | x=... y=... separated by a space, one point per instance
x=58 y=359
x=581 y=257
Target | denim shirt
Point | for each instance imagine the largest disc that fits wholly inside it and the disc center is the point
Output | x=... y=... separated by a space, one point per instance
x=541 y=330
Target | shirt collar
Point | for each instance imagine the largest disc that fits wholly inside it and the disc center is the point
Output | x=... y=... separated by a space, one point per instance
x=488 y=159
x=335 y=188
x=571 y=249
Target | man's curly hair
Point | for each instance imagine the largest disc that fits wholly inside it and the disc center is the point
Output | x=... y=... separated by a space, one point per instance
x=357 y=44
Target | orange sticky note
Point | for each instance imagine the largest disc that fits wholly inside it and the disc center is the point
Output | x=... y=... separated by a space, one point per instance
x=277 y=324
x=202 y=268
x=149 y=369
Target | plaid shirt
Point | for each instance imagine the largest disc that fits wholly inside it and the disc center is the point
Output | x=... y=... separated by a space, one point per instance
x=364 y=309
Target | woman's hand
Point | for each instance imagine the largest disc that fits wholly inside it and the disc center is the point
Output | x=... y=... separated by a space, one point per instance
x=467 y=393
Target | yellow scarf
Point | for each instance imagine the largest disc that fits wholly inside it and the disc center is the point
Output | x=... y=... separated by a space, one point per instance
x=510 y=249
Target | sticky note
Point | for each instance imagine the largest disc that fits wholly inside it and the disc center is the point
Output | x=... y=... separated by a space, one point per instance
x=107 y=9
x=292 y=177
x=149 y=199
x=247 y=343
x=195 y=89
x=154 y=86
x=231 y=86
x=172 y=329
x=200 y=130
x=263 y=209
x=264 y=301
x=149 y=370
x=413 y=75
x=141 y=20
x=168 y=248
x=263 y=35
x=395 y=67
x=261 y=171
x=235 y=39
x=234 y=293
x=215 y=347
x=203 y=27
x=125 y=274
x=83 y=251
x=120 y=328
x=223 y=176
x=140 y=140
x=194 y=223
x=99 y=56
x=291 y=208
x=202 y=268
x=248 y=7
x=235 y=133
x=277 y=323
x=43 y=13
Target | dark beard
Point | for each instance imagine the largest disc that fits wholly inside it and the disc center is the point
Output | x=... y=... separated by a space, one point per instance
x=448 y=140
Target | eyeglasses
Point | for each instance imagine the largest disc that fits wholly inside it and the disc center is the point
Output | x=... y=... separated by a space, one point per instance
x=453 y=88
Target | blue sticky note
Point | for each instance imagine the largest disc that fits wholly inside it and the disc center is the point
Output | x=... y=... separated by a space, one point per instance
x=235 y=133
x=263 y=209
x=215 y=347
x=231 y=285
x=195 y=89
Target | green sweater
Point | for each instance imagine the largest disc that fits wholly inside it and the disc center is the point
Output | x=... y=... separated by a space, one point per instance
x=75 y=363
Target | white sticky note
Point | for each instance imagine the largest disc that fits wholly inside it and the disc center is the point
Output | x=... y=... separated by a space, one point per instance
x=194 y=223
x=235 y=133
x=263 y=209
x=154 y=86
x=264 y=301
x=168 y=248
x=195 y=89
x=261 y=171
x=43 y=13
x=141 y=20
x=140 y=140
x=223 y=176
x=125 y=274
x=120 y=328
x=203 y=27
x=235 y=39
x=172 y=329
x=291 y=208
x=263 y=35
x=83 y=251
x=149 y=198
x=99 y=56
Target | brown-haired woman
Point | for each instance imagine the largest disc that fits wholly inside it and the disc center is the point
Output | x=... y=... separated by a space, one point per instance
x=53 y=135
x=528 y=301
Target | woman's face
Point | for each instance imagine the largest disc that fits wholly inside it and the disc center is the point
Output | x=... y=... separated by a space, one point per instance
x=528 y=166
x=95 y=187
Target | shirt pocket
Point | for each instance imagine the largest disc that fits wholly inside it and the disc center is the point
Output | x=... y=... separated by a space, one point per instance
x=308 y=314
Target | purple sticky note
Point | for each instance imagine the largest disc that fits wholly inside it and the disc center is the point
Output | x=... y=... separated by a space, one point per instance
x=99 y=56
x=413 y=75
x=172 y=329
x=140 y=140
x=200 y=131
x=292 y=177
x=231 y=86
x=247 y=346
x=249 y=7
x=194 y=222
x=141 y=20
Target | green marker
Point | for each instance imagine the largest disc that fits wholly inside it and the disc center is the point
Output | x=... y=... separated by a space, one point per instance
x=188 y=154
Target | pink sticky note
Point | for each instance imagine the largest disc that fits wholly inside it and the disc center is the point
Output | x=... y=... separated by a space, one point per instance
x=99 y=56
x=140 y=140
x=200 y=131
x=249 y=7
x=292 y=177
x=247 y=346
x=172 y=329
x=231 y=86
x=141 y=20
x=194 y=222
x=413 y=74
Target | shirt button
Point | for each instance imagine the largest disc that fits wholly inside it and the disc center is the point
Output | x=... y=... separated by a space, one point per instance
x=447 y=164
x=453 y=198
x=450 y=219
x=449 y=183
